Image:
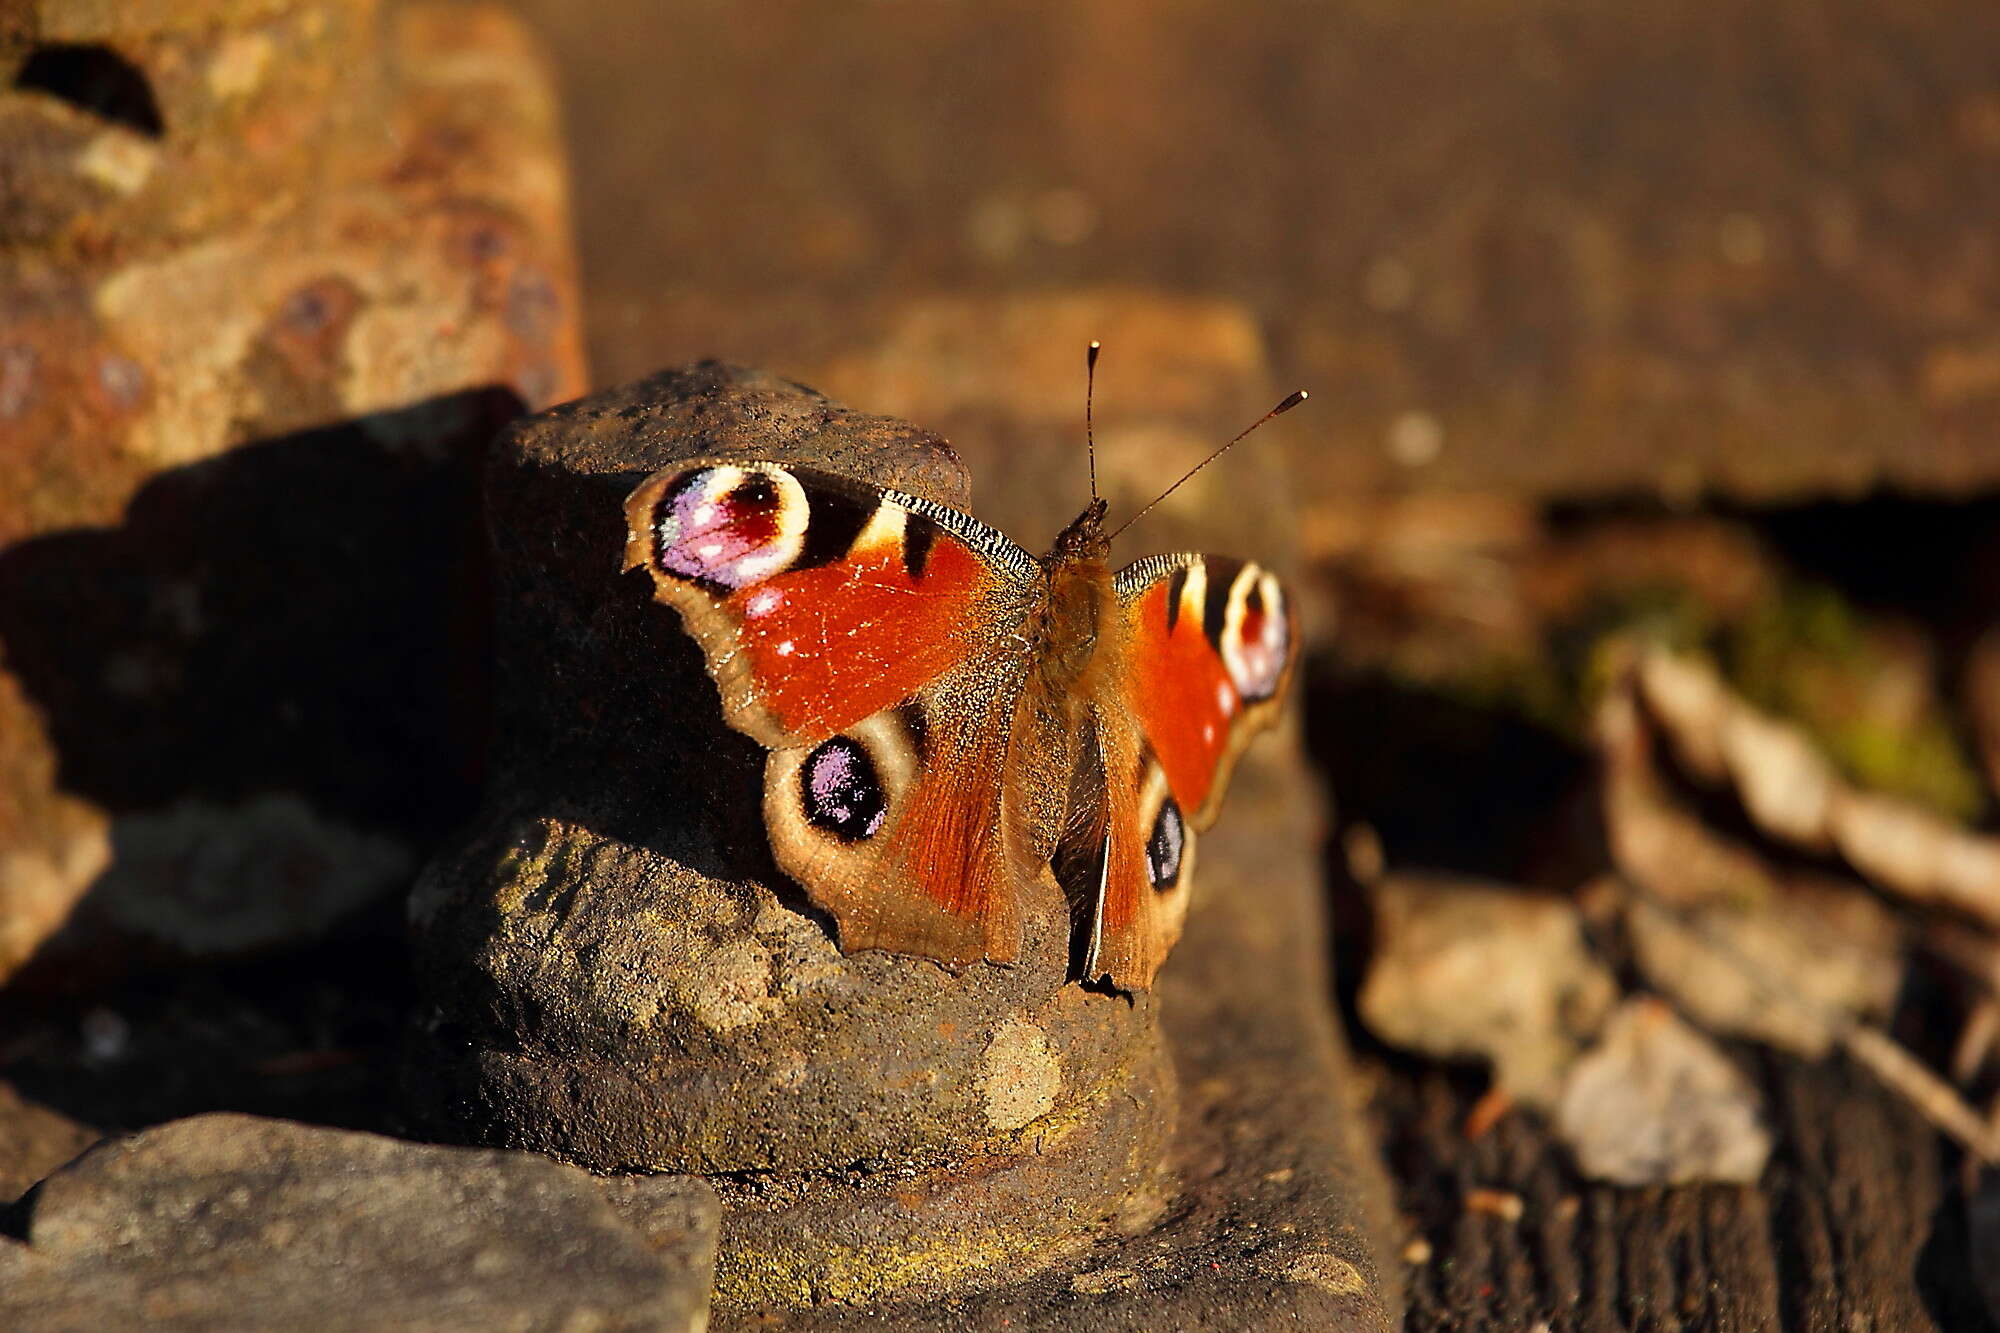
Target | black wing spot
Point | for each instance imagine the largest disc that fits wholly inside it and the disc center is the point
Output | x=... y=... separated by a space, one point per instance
x=1166 y=846
x=756 y=492
x=835 y=521
x=1176 y=588
x=1215 y=604
x=918 y=535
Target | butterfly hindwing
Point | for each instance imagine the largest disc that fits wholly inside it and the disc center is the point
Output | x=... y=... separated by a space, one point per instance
x=1209 y=645
x=864 y=637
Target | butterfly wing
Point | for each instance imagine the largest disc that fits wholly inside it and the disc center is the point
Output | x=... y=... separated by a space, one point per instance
x=1209 y=646
x=870 y=640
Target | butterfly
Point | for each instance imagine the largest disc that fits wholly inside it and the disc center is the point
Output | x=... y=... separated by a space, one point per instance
x=954 y=723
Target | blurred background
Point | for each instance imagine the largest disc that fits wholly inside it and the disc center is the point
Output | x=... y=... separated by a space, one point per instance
x=1630 y=332
x=1714 y=249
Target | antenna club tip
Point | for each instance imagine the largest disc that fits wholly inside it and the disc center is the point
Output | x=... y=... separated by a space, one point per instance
x=1291 y=402
x=1094 y=344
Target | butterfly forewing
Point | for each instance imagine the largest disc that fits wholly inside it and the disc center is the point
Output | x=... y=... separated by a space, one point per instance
x=820 y=601
x=1208 y=653
x=1210 y=647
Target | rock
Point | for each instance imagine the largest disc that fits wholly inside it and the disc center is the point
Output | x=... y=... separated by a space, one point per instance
x=615 y=973
x=275 y=275
x=34 y=1140
x=1655 y=1103
x=676 y=1215
x=230 y=1221
x=1785 y=969
x=1465 y=969
x=201 y=879
x=1279 y=1213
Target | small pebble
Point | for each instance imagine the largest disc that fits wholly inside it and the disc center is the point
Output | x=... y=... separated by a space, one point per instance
x=1503 y=1204
x=105 y=1036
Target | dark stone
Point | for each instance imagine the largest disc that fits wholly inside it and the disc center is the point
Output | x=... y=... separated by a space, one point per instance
x=228 y=1221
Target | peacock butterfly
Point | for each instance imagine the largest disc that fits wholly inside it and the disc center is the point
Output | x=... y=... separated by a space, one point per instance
x=953 y=722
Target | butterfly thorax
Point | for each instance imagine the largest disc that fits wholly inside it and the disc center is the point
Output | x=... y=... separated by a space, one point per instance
x=1078 y=618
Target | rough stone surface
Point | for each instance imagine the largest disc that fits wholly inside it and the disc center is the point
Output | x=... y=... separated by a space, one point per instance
x=677 y=1216
x=1832 y=943
x=1654 y=1102
x=615 y=973
x=272 y=274
x=1276 y=1218
x=232 y=1222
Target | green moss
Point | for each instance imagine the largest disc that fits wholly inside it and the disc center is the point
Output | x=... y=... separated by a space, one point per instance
x=1804 y=654
x=752 y=1279
x=1557 y=687
x=1809 y=656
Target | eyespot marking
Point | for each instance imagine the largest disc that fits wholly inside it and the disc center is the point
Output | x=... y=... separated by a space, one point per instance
x=840 y=790
x=730 y=526
x=1165 y=846
x=1256 y=634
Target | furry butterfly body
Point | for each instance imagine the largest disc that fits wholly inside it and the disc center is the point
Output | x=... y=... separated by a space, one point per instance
x=955 y=724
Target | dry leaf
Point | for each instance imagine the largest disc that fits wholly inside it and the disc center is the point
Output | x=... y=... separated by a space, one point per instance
x=1463 y=968
x=1656 y=1103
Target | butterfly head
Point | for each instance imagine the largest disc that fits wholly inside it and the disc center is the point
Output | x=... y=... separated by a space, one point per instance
x=1084 y=538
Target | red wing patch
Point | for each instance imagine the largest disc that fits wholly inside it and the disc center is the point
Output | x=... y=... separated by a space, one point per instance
x=832 y=645
x=1179 y=688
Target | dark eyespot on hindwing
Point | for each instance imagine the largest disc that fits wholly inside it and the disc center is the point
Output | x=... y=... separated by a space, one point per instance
x=840 y=790
x=1165 y=845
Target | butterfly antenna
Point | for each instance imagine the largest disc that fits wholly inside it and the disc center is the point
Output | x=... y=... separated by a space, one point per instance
x=1089 y=392
x=1291 y=401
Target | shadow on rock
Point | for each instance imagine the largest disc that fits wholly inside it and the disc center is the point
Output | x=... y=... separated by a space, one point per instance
x=266 y=689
